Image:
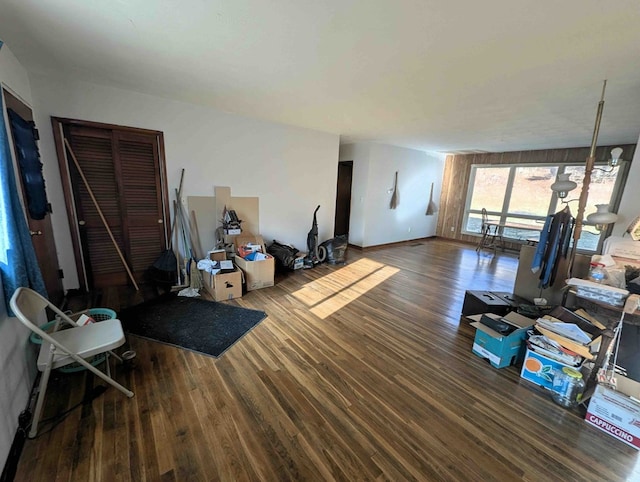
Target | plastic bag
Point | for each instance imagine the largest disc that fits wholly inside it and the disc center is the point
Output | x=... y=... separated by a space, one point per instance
x=615 y=277
x=634 y=286
x=284 y=254
x=336 y=249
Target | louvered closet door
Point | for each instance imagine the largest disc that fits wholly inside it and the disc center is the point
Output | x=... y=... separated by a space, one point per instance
x=141 y=199
x=122 y=170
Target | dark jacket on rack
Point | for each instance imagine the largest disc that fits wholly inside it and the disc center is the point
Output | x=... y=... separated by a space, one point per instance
x=553 y=245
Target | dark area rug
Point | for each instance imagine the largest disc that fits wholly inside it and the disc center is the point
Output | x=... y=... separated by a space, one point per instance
x=194 y=324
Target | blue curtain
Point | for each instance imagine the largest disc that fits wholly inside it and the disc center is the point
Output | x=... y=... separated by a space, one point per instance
x=18 y=263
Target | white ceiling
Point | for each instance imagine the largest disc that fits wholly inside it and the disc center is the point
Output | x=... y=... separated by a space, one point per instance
x=440 y=75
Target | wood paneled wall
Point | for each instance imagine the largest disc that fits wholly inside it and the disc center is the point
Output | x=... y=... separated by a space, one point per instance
x=458 y=168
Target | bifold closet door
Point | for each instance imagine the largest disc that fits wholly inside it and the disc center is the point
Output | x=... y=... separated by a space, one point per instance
x=125 y=174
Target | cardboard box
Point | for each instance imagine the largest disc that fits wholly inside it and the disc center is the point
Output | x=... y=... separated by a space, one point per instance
x=230 y=239
x=217 y=255
x=615 y=413
x=540 y=369
x=628 y=386
x=299 y=261
x=258 y=274
x=223 y=286
x=501 y=350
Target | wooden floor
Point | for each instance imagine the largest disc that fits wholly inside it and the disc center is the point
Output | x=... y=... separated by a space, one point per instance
x=360 y=372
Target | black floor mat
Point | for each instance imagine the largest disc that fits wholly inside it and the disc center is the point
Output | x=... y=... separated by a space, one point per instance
x=191 y=323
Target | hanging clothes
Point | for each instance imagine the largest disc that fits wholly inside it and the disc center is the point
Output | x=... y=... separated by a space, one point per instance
x=24 y=136
x=542 y=245
x=553 y=246
x=18 y=262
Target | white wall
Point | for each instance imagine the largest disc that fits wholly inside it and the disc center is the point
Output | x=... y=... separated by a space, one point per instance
x=630 y=203
x=17 y=358
x=13 y=76
x=290 y=169
x=372 y=221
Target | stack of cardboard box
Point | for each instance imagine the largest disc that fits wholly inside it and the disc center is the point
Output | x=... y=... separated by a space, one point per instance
x=540 y=366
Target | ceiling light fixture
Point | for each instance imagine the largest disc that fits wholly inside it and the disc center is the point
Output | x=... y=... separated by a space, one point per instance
x=563 y=185
x=602 y=217
x=613 y=161
x=616 y=156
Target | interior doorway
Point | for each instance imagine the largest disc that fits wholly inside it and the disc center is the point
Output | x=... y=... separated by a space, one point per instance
x=343 y=198
x=41 y=230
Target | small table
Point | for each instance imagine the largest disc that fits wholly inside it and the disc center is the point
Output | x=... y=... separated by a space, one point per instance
x=492 y=234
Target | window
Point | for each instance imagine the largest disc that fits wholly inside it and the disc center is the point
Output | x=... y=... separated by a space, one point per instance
x=521 y=194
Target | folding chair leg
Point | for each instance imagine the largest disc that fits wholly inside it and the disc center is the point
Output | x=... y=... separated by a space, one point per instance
x=102 y=375
x=108 y=365
x=115 y=355
x=42 y=390
x=483 y=240
x=112 y=382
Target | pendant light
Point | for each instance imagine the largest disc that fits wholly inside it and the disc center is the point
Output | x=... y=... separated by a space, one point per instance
x=602 y=217
x=563 y=185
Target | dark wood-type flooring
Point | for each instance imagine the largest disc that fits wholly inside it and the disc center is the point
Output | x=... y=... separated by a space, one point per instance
x=360 y=372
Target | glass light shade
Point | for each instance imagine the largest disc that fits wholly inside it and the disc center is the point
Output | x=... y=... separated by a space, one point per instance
x=602 y=217
x=616 y=156
x=563 y=185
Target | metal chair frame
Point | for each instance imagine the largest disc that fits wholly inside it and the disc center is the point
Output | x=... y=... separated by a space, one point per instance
x=491 y=235
x=63 y=347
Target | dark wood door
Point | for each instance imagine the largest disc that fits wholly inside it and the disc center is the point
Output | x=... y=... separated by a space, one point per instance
x=343 y=198
x=141 y=187
x=40 y=229
x=124 y=172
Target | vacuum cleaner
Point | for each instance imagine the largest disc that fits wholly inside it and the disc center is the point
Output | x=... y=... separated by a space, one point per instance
x=316 y=253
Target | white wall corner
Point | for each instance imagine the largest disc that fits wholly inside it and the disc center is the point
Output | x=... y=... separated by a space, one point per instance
x=630 y=203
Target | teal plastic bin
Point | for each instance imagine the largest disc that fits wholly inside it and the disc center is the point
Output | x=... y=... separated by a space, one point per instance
x=98 y=314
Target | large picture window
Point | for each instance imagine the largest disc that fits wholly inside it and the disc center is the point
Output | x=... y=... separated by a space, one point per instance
x=520 y=194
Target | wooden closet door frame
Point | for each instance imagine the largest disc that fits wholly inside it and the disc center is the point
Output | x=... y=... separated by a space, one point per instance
x=58 y=124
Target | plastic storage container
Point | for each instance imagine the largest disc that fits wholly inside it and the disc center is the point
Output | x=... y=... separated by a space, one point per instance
x=568 y=386
x=606 y=294
x=98 y=314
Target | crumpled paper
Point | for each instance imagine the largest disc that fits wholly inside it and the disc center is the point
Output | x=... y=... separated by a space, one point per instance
x=189 y=292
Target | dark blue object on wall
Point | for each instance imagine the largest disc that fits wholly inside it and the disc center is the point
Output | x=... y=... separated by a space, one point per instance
x=24 y=136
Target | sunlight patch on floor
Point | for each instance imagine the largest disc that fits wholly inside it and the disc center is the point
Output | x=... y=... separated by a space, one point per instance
x=334 y=291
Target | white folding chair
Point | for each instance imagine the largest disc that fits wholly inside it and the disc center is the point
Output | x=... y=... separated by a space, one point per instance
x=64 y=347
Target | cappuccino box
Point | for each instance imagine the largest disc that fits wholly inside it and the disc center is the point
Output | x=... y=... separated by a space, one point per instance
x=616 y=413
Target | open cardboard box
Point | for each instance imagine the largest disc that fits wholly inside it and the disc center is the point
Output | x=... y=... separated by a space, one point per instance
x=540 y=369
x=617 y=412
x=501 y=350
x=223 y=286
x=258 y=274
x=299 y=261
